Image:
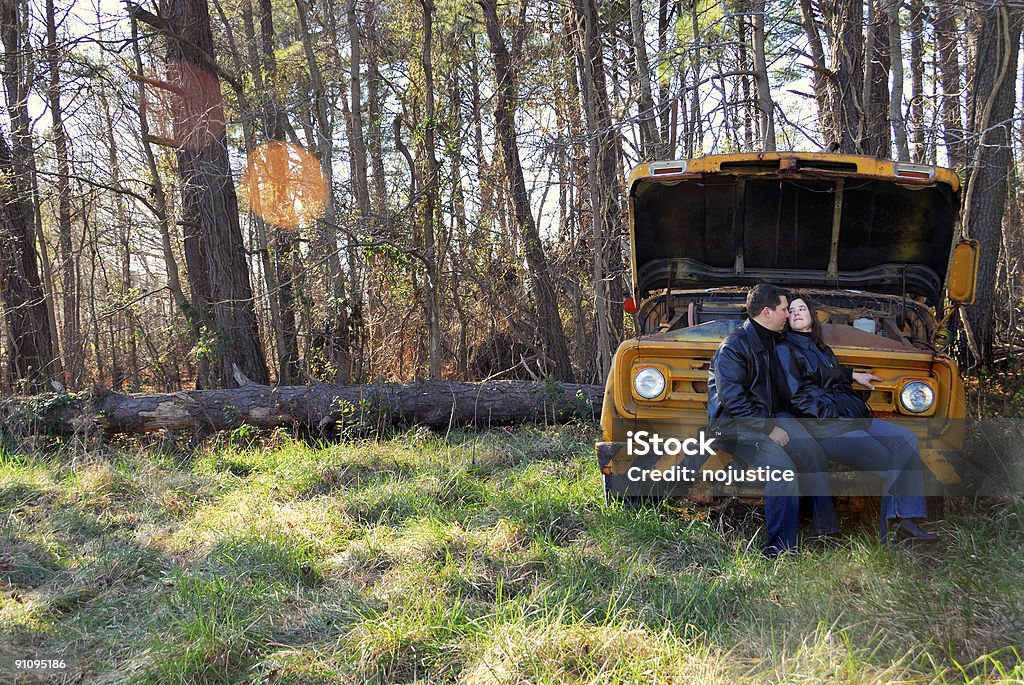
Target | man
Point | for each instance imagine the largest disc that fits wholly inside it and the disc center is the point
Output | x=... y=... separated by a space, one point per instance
x=745 y=410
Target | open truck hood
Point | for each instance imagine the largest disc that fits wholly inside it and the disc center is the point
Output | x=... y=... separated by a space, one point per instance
x=795 y=219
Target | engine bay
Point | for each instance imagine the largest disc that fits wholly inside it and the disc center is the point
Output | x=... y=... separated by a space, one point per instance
x=849 y=317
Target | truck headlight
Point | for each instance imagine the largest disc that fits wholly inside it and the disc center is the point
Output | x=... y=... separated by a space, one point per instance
x=916 y=397
x=649 y=383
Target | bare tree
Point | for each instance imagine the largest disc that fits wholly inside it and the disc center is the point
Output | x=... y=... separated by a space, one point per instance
x=214 y=253
x=30 y=348
x=336 y=326
x=946 y=38
x=899 y=125
x=992 y=105
x=650 y=138
x=72 y=323
x=432 y=252
x=603 y=179
x=765 y=105
x=842 y=23
x=549 y=323
x=917 y=94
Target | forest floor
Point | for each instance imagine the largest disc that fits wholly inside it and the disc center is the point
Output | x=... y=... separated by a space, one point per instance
x=485 y=557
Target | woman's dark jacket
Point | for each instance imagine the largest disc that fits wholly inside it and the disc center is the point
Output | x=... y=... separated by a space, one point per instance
x=814 y=385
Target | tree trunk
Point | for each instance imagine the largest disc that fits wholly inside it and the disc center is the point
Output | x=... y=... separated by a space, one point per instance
x=842 y=22
x=287 y=263
x=440 y=405
x=764 y=88
x=96 y=324
x=375 y=103
x=664 y=82
x=827 y=121
x=695 y=129
x=270 y=256
x=899 y=126
x=992 y=106
x=30 y=348
x=950 y=75
x=875 y=134
x=575 y=182
x=605 y=189
x=214 y=252
x=743 y=98
x=433 y=256
x=549 y=323
x=917 y=95
x=338 y=350
x=462 y=256
x=74 y=360
x=650 y=145
x=357 y=145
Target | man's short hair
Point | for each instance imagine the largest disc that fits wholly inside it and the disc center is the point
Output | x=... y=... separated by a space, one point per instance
x=764 y=295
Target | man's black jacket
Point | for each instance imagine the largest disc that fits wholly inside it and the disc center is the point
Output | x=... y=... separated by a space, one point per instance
x=813 y=384
x=740 y=384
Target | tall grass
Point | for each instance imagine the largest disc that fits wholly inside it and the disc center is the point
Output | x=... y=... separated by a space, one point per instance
x=469 y=558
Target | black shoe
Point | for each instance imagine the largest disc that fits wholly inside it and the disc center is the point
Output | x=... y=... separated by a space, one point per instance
x=907 y=531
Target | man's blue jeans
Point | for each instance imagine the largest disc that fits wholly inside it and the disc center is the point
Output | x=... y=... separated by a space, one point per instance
x=812 y=465
x=802 y=455
x=889 y=451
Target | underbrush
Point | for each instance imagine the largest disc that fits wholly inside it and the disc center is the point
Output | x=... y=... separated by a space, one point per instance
x=470 y=558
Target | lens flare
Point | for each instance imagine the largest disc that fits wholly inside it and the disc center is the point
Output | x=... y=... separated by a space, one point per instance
x=197 y=108
x=285 y=184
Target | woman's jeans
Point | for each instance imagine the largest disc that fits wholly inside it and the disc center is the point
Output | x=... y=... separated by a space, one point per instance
x=889 y=451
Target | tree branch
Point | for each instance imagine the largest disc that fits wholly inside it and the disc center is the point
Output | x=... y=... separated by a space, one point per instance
x=164 y=27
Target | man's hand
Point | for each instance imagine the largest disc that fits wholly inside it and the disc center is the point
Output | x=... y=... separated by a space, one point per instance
x=865 y=378
x=779 y=437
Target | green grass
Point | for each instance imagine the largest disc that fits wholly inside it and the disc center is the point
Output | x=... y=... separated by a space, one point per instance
x=468 y=558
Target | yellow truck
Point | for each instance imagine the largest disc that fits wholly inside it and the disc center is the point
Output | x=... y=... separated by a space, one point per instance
x=871 y=241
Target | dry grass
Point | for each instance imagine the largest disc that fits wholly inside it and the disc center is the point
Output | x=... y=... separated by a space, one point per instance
x=471 y=558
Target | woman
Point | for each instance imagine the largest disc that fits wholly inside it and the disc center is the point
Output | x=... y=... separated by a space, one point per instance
x=815 y=386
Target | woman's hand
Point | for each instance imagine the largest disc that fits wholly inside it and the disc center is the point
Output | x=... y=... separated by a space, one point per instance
x=865 y=378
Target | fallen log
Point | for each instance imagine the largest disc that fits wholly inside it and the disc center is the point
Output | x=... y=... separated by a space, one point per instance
x=437 y=404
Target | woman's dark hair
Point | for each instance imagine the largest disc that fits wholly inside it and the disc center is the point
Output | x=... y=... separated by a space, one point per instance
x=816 y=334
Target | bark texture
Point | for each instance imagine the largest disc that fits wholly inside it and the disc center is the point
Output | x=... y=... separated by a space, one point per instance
x=946 y=32
x=74 y=353
x=765 y=105
x=991 y=116
x=842 y=23
x=603 y=182
x=876 y=135
x=30 y=347
x=435 y=404
x=214 y=252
